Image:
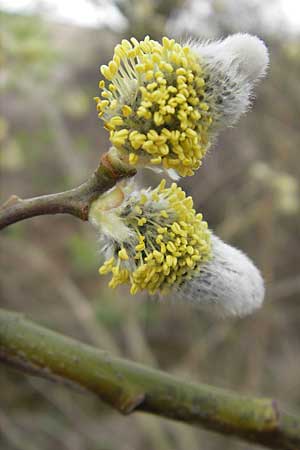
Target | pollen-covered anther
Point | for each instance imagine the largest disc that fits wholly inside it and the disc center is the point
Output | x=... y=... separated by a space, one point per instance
x=123 y=254
x=156 y=94
x=165 y=241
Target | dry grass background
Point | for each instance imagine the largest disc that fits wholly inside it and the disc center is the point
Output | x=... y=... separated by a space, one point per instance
x=248 y=190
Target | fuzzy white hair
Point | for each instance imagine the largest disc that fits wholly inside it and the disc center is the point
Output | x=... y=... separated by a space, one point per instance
x=232 y=67
x=229 y=284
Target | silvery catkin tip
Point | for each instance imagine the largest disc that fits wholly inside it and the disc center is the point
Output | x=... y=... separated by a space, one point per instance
x=234 y=66
x=229 y=284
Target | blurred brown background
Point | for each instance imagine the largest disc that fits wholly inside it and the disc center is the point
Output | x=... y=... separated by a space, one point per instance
x=247 y=189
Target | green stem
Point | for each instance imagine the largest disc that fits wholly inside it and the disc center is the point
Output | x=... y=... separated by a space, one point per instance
x=127 y=386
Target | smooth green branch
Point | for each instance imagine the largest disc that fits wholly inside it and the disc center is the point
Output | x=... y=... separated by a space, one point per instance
x=75 y=201
x=129 y=387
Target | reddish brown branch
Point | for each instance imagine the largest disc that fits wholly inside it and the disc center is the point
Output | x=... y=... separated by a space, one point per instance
x=75 y=201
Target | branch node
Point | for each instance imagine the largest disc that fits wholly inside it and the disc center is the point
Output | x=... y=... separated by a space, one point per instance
x=107 y=164
x=85 y=212
x=117 y=166
x=131 y=403
x=12 y=200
